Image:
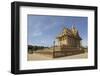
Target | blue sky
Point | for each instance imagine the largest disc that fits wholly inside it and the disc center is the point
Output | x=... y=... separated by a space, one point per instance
x=43 y=29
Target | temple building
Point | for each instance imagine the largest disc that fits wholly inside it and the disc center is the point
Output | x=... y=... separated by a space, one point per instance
x=69 y=38
x=68 y=43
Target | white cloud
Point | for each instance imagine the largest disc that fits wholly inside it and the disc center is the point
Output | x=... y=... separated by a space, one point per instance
x=37 y=33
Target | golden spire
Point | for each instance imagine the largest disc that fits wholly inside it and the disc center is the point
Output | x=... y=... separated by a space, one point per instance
x=73 y=27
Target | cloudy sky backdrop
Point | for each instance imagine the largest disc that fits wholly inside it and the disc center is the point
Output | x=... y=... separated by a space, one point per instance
x=42 y=30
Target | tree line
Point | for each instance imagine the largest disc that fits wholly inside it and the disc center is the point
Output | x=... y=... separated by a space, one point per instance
x=32 y=48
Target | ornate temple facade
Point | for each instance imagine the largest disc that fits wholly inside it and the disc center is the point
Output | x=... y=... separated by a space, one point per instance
x=69 y=38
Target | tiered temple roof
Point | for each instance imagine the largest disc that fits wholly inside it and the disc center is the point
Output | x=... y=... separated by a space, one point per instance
x=73 y=33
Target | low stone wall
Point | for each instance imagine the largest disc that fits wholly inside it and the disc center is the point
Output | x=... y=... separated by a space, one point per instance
x=67 y=53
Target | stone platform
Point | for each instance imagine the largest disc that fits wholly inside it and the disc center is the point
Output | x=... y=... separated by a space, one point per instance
x=55 y=52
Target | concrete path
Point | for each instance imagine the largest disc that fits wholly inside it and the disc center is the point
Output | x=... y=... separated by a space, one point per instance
x=36 y=56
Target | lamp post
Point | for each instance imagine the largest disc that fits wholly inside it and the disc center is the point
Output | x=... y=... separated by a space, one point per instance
x=53 y=49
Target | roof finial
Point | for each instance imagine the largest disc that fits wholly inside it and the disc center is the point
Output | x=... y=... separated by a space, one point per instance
x=73 y=26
